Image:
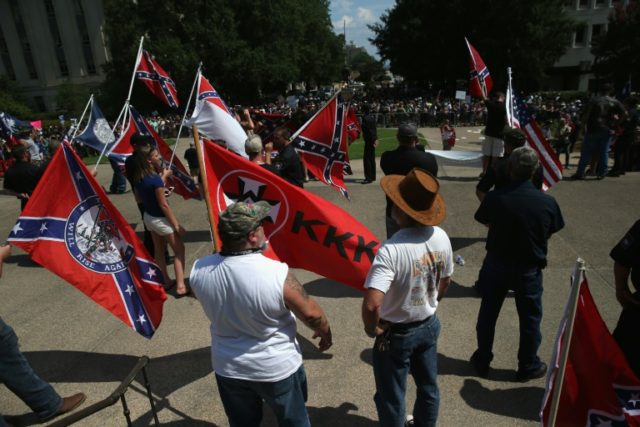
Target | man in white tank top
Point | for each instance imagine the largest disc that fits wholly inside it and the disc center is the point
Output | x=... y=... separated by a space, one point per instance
x=252 y=303
x=409 y=275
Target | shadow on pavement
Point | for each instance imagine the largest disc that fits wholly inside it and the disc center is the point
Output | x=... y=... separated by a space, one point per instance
x=329 y=289
x=340 y=416
x=21 y=260
x=310 y=350
x=521 y=402
x=458 y=178
x=456 y=290
x=458 y=243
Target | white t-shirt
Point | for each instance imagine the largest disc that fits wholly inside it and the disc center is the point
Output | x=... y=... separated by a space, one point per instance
x=408 y=268
x=253 y=333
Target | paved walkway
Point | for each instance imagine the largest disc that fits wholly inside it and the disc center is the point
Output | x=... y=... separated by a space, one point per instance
x=77 y=345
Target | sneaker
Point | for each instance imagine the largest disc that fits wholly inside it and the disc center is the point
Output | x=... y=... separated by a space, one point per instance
x=539 y=372
x=576 y=177
x=409 y=421
x=482 y=369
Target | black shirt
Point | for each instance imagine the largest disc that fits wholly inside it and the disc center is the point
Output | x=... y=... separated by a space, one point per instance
x=130 y=167
x=288 y=166
x=496 y=118
x=627 y=253
x=23 y=177
x=521 y=219
x=369 y=129
x=191 y=156
x=402 y=160
x=498 y=176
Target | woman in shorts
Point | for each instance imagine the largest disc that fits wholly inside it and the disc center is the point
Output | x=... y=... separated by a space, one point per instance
x=158 y=216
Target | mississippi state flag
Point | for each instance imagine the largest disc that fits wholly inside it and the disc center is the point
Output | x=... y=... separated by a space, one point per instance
x=599 y=387
x=157 y=80
x=480 y=81
x=323 y=143
x=182 y=182
x=215 y=120
x=303 y=229
x=72 y=229
x=97 y=134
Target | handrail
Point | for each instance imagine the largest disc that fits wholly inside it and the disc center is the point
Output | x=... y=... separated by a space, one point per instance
x=118 y=394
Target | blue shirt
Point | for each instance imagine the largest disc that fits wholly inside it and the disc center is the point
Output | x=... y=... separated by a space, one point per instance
x=146 y=190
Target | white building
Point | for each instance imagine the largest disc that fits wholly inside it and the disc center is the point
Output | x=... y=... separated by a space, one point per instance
x=573 y=69
x=47 y=43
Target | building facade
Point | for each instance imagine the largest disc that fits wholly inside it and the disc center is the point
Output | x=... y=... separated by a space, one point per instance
x=45 y=44
x=573 y=69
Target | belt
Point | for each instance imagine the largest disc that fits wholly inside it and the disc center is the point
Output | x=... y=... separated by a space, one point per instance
x=394 y=327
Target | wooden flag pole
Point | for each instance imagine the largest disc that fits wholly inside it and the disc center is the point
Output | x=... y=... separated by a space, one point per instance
x=204 y=188
x=566 y=340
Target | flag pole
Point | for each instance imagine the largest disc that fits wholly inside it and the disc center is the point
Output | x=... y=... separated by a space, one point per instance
x=204 y=188
x=75 y=131
x=113 y=130
x=135 y=68
x=186 y=109
x=510 y=99
x=566 y=340
x=483 y=87
x=295 y=135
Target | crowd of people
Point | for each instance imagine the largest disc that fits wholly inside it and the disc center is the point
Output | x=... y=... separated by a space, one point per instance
x=256 y=357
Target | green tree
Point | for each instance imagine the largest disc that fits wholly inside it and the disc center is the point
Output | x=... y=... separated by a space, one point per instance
x=423 y=40
x=71 y=99
x=618 y=51
x=11 y=101
x=358 y=59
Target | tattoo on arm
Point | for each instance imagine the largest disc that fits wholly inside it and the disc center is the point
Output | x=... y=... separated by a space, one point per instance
x=292 y=283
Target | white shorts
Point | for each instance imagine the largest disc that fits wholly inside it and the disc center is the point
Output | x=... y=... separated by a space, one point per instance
x=159 y=225
x=492 y=147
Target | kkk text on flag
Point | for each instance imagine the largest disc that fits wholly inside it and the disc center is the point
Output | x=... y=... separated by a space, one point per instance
x=480 y=81
x=523 y=119
x=304 y=230
x=182 y=182
x=598 y=388
x=71 y=228
x=322 y=142
x=97 y=134
x=215 y=120
x=157 y=80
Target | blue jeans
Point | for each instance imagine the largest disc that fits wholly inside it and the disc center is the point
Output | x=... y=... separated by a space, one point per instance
x=118 y=180
x=496 y=279
x=17 y=375
x=595 y=142
x=415 y=349
x=242 y=400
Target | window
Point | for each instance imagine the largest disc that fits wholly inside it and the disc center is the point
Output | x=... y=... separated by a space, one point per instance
x=55 y=37
x=6 y=58
x=583 y=4
x=39 y=103
x=84 y=34
x=597 y=30
x=581 y=36
x=24 y=41
x=602 y=3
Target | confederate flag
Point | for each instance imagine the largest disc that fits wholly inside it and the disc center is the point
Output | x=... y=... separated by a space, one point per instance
x=303 y=229
x=266 y=123
x=599 y=388
x=157 y=80
x=71 y=228
x=481 y=83
x=323 y=143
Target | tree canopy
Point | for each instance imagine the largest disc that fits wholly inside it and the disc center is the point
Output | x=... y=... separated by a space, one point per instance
x=423 y=40
x=359 y=60
x=617 y=51
x=249 y=48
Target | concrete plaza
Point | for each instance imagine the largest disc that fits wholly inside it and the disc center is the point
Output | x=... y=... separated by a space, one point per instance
x=78 y=346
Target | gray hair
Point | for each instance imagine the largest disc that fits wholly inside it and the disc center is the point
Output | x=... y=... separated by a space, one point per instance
x=523 y=162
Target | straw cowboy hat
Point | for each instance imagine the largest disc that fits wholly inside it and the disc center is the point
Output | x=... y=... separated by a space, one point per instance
x=416 y=194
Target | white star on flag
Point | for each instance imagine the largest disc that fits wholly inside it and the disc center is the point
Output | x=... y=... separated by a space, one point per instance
x=43 y=227
x=16 y=228
x=634 y=399
x=151 y=273
x=129 y=290
x=142 y=319
x=252 y=186
x=79 y=175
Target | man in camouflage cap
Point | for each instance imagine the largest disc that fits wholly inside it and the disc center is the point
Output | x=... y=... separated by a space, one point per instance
x=250 y=301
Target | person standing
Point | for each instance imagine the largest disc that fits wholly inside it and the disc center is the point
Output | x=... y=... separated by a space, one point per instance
x=251 y=301
x=448 y=135
x=521 y=219
x=191 y=156
x=626 y=255
x=408 y=277
x=402 y=160
x=370 y=136
x=22 y=177
x=493 y=145
x=19 y=377
x=626 y=139
x=287 y=164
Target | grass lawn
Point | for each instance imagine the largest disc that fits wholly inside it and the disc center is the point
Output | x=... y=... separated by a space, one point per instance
x=386 y=141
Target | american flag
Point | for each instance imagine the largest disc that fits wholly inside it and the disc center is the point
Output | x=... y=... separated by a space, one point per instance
x=522 y=118
x=157 y=80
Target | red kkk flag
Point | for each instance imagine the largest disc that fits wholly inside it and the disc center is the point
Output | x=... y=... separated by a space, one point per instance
x=215 y=120
x=304 y=230
x=521 y=117
x=353 y=125
x=71 y=228
x=480 y=81
x=323 y=143
x=599 y=388
x=157 y=80
x=182 y=182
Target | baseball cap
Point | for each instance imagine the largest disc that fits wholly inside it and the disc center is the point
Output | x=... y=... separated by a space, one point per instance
x=240 y=218
x=408 y=130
